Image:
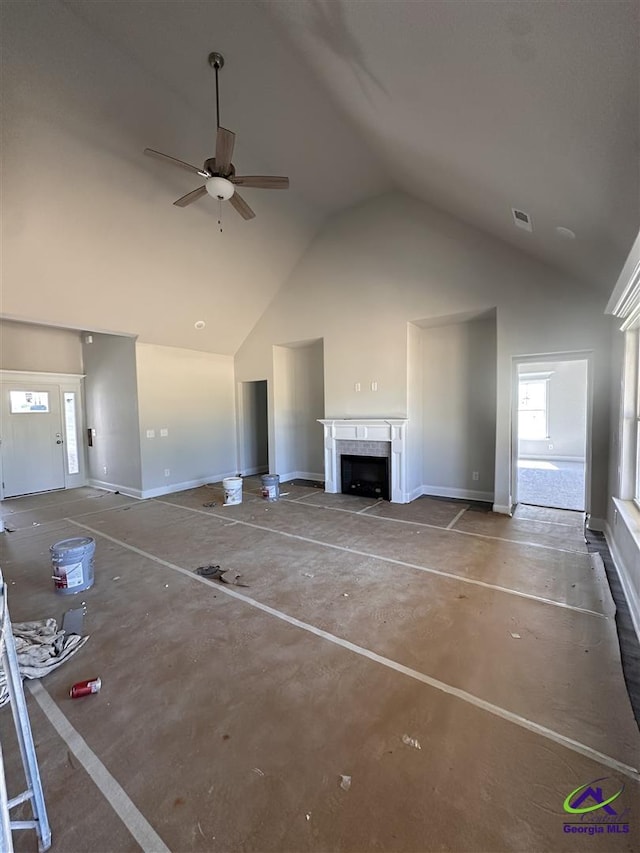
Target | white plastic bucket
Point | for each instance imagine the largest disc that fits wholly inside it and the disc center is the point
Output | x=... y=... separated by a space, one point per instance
x=232 y=490
x=72 y=562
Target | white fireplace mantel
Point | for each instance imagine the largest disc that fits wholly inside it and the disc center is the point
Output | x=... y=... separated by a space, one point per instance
x=392 y=430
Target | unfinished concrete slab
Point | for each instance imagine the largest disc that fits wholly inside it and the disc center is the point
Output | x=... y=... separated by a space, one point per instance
x=228 y=715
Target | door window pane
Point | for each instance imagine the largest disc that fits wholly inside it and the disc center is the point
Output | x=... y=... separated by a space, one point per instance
x=28 y=401
x=71 y=432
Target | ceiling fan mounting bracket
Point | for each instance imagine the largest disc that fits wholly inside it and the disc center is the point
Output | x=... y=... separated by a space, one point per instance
x=216 y=60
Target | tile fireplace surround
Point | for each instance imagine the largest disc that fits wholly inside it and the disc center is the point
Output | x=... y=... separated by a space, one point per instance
x=367 y=430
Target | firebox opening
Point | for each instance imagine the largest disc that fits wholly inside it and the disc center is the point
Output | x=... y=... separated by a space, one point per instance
x=367 y=476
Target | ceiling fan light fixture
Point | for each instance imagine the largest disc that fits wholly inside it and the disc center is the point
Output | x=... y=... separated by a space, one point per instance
x=220 y=188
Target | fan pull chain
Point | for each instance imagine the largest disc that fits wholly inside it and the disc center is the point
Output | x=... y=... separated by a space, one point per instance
x=220 y=214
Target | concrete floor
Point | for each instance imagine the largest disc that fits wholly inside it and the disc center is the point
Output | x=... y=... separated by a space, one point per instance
x=229 y=714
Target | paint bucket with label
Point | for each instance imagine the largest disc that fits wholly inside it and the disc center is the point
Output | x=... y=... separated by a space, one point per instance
x=232 y=490
x=271 y=487
x=72 y=561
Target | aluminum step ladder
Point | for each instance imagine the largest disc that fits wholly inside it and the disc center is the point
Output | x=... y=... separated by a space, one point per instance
x=33 y=792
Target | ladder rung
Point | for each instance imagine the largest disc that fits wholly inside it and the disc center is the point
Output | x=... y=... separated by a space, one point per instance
x=21 y=798
x=24 y=824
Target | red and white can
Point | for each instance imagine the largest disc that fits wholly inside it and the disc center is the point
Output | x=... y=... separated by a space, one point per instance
x=85 y=688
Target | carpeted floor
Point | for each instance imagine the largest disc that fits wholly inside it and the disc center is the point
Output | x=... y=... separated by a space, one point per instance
x=551 y=483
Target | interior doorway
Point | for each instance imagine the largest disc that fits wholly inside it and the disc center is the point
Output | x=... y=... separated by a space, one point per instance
x=254 y=436
x=552 y=432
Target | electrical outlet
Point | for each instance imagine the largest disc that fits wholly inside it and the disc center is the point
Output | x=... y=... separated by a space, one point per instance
x=374 y=385
x=164 y=432
x=475 y=475
x=167 y=472
x=357 y=387
x=151 y=433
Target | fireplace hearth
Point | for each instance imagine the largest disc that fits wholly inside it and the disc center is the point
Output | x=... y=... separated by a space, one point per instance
x=367 y=476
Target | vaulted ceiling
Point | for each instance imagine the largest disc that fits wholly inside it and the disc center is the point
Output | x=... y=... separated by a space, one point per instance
x=475 y=107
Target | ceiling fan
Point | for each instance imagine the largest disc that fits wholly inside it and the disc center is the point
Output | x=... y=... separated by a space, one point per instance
x=219 y=172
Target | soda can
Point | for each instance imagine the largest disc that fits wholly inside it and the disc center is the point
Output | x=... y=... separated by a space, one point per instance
x=85 y=688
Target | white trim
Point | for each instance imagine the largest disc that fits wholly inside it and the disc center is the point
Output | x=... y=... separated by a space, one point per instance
x=625 y=299
x=503 y=510
x=52 y=377
x=393 y=430
x=623 y=575
x=550 y=457
x=252 y=472
x=597 y=524
x=301 y=475
x=114 y=487
x=462 y=494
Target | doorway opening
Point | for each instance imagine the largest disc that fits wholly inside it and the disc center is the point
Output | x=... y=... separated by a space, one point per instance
x=254 y=438
x=552 y=419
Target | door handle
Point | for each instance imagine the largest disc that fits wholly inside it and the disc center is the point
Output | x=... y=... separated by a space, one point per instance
x=59 y=441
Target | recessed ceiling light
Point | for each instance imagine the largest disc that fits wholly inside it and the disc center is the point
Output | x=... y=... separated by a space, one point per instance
x=199 y=324
x=565 y=233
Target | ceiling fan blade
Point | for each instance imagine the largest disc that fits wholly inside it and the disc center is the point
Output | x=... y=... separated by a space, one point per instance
x=261 y=182
x=225 y=140
x=241 y=206
x=150 y=152
x=194 y=195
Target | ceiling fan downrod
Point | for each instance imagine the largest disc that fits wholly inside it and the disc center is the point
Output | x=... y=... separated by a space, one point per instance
x=216 y=61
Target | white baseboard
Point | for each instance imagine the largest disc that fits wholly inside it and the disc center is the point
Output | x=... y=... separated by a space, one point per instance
x=550 y=458
x=623 y=574
x=301 y=475
x=597 y=524
x=462 y=494
x=115 y=487
x=502 y=509
x=252 y=472
x=160 y=490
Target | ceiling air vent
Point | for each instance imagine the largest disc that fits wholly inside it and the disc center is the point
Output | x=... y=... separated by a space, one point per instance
x=521 y=219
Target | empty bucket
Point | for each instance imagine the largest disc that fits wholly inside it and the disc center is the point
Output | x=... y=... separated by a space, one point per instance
x=232 y=490
x=271 y=487
x=72 y=561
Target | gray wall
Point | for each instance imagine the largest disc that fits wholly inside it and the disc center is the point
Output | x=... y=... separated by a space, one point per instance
x=190 y=395
x=459 y=408
x=298 y=402
x=111 y=400
x=567 y=408
x=393 y=261
x=24 y=346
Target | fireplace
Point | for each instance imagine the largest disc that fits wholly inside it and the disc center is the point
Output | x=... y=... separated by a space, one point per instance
x=365 y=437
x=367 y=476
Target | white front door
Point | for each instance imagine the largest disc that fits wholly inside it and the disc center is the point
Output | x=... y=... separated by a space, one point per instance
x=32 y=439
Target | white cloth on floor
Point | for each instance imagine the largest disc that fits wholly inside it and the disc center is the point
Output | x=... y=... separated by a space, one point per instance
x=40 y=648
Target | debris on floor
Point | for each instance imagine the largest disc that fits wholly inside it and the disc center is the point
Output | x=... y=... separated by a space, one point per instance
x=209 y=504
x=257 y=771
x=307 y=575
x=411 y=741
x=215 y=573
x=516 y=636
x=345 y=782
x=73 y=621
x=85 y=688
x=40 y=648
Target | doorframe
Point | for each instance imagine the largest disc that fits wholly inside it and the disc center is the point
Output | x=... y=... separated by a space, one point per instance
x=576 y=355
x=65 y=382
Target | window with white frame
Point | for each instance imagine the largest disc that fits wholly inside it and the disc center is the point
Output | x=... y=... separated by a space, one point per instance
x=533 y=409
x=625 y=304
